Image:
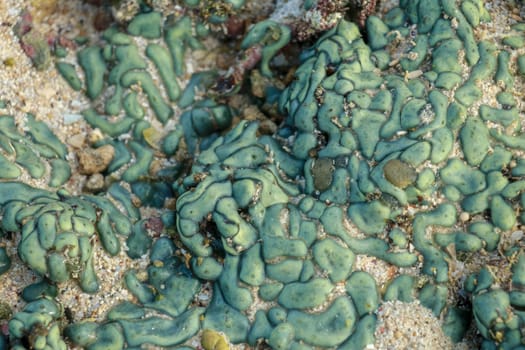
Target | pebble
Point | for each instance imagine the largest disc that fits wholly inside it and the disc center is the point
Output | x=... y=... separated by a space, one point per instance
x=464 y=217
x=92 y=161
x=70 y=118
x=95 y=183
x=399 y=173
x=77 y=140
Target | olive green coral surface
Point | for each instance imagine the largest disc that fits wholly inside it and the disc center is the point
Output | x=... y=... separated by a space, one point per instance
x=391 y=147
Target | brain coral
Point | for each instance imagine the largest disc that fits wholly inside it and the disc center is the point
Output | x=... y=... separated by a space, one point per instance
x=392 y=147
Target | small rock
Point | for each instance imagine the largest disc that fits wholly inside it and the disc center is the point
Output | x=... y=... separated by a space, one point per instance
x=464 y=216
x=95 y=183
x=95 y=136
x=211 y=339
x=77 y=140
x=399 y=173
x=70 y=118
x=92 y=161
x=322 y=171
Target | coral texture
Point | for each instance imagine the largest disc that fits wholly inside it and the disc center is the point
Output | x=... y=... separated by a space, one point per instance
x=391 y=147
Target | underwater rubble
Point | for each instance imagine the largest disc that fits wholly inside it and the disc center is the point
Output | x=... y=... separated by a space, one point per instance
x=390 y=148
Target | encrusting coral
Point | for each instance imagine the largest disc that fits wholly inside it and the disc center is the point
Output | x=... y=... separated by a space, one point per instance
x=390 y=148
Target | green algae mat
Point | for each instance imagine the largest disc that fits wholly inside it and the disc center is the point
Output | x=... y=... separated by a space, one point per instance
x=391 y=147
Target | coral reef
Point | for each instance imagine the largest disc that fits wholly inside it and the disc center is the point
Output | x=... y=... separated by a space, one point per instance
x=31 y=152
x=392 y=147
x=57 y=230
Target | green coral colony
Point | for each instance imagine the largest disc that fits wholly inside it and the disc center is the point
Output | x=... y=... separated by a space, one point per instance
x=389 y=149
